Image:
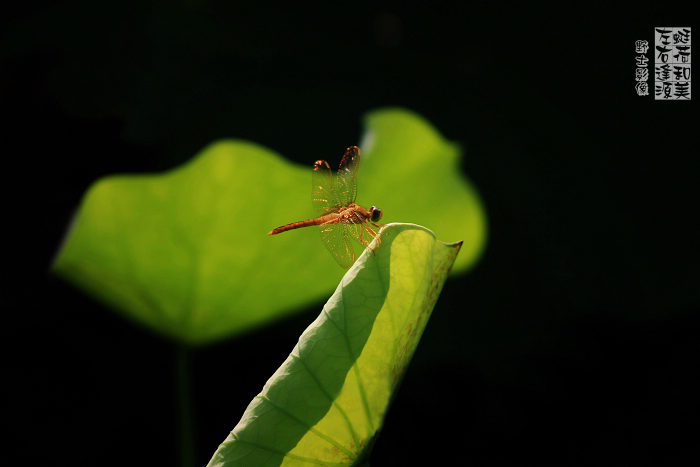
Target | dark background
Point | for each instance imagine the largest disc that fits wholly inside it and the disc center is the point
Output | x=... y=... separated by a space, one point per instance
x=573 y=342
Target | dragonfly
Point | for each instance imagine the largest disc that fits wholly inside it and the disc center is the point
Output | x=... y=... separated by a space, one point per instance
x=338 y=216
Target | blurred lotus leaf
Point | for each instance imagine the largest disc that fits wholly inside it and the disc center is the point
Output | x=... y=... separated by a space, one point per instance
x=186 y=252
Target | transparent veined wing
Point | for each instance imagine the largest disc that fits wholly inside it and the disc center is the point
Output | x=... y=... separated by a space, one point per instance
x=324 y=195
x=361 y=233
x=335 y=237
x=346 y=182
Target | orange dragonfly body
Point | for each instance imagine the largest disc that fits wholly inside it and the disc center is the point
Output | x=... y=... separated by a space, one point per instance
x=338 y=215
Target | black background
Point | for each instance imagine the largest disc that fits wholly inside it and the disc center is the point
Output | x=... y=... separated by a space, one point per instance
x=573 y=342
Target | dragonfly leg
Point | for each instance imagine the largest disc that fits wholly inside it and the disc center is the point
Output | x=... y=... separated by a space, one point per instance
x=362 y=239
x=374 y=234
x=378 y=226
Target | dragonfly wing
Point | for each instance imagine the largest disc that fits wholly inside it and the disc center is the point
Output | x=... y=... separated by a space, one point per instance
x=347 y=176
x=337 y=240
x=324 y=195
x=362 y=232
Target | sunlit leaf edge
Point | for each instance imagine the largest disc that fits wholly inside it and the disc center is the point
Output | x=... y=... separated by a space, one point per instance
x=327 y=401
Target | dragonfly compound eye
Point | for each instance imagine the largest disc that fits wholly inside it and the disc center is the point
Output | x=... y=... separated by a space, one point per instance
x=376 y=213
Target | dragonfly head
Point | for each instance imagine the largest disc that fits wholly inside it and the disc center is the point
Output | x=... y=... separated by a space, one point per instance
x=375 y=214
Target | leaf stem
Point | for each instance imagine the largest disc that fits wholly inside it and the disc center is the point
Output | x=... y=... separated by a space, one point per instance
x=184 y=403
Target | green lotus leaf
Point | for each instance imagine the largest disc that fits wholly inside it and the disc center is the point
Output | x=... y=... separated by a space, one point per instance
x=326 y=403
x=186 y=252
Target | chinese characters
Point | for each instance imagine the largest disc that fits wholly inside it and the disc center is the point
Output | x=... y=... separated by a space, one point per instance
x=642 y=74
x=672 y=63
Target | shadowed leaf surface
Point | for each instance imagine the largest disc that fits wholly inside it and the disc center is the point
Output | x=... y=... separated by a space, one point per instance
x=186 y=253
x=327 y=401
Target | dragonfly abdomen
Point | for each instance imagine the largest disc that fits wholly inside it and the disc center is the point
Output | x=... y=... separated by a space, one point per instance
x=297 y=225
